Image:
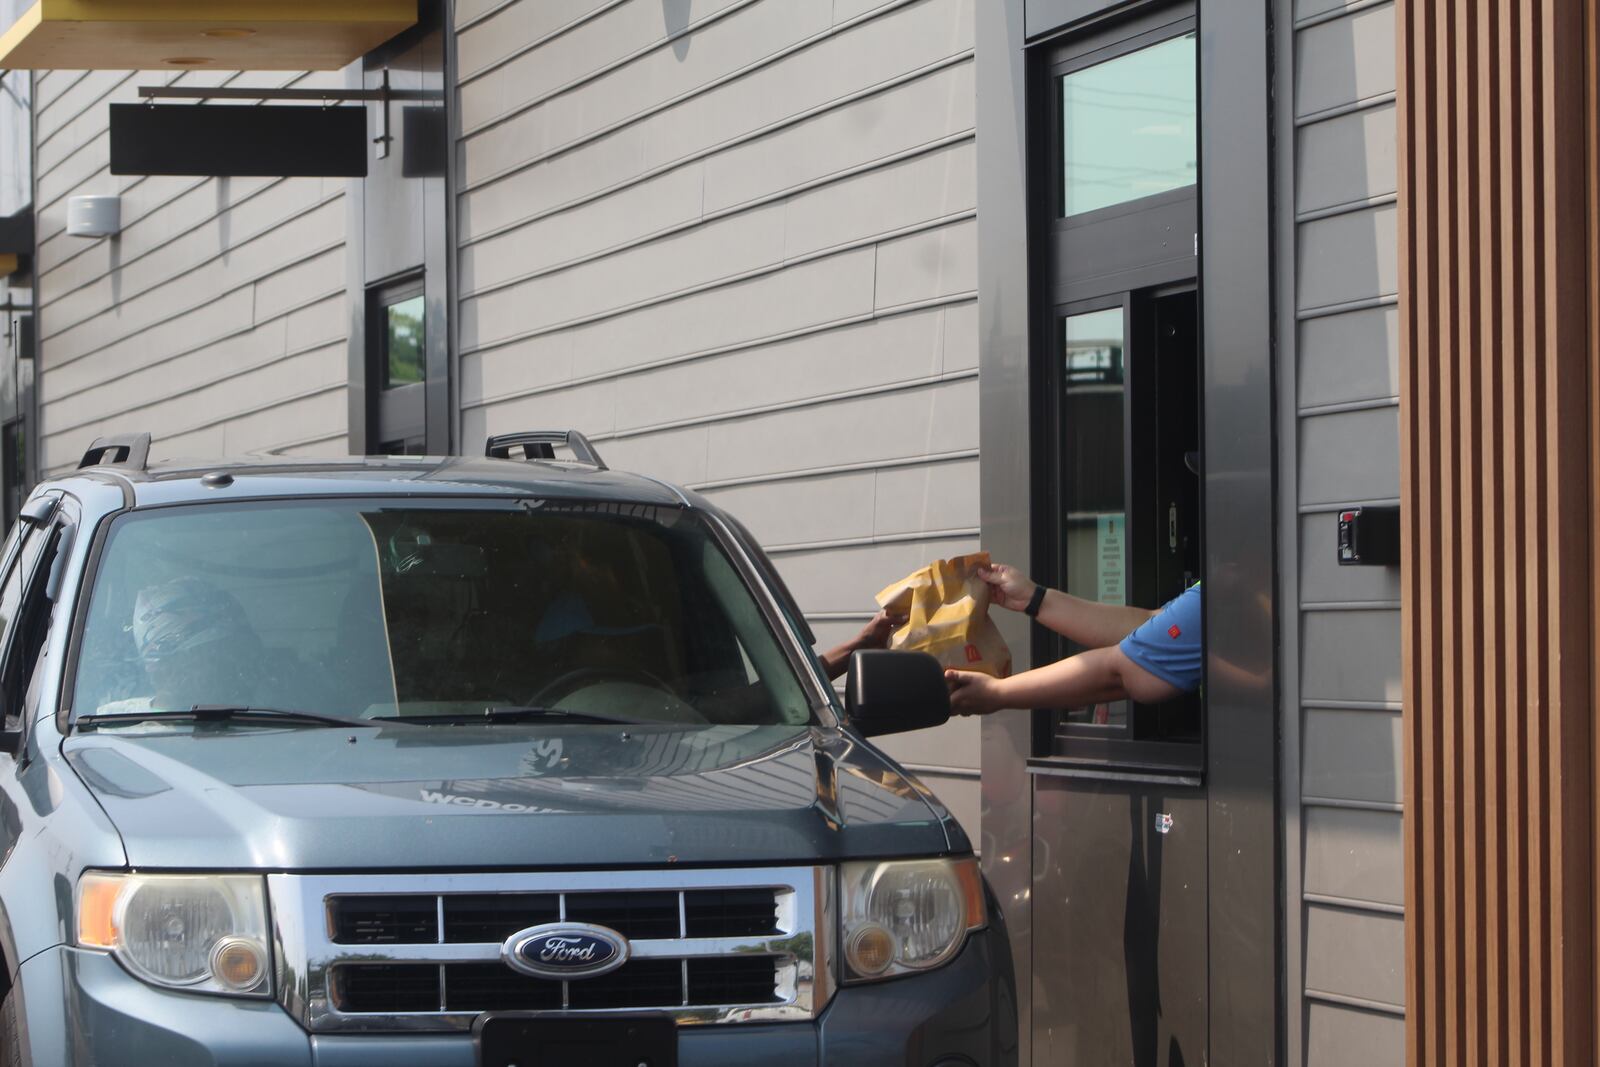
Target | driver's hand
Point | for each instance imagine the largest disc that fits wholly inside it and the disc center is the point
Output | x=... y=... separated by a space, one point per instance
x=878 y=630
x=1008 y=587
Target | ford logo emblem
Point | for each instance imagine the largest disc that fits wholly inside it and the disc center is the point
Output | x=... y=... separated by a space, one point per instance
x=565 y=950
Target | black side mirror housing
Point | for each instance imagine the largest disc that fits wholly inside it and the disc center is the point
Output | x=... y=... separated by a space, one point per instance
x=891 y=692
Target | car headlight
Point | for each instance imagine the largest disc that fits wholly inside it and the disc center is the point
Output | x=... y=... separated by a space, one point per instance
x=202 y=933
x=906 y=916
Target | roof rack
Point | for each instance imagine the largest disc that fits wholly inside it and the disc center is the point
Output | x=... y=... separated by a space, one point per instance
x=540 y=444
x=123 y=450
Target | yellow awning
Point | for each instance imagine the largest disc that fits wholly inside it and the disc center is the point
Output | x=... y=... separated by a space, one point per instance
x=201 y=34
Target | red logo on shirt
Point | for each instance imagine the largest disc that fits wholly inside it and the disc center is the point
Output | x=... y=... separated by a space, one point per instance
x=1174 y=632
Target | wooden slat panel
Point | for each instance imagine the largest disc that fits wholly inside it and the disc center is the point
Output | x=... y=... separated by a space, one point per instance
x=1500 y=381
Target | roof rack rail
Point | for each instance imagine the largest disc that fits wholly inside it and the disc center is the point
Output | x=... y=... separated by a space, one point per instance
x=540 y=444
x=123 y=450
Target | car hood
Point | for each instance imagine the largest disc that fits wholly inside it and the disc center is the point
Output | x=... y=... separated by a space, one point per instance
x=516 y=796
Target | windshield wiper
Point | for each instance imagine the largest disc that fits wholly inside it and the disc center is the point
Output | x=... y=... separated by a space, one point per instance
x=512 y=714
x=227 y=713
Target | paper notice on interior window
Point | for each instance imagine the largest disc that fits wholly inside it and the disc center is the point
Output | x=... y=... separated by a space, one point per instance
x=1111 y=553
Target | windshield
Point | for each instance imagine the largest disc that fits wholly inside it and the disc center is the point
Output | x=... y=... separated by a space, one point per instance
x=606 y=612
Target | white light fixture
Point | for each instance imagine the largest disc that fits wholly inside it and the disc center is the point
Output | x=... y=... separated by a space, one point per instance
x=94 y=216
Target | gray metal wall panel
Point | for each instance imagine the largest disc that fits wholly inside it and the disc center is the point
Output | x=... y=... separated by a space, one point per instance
x=1349 y=357
x=1354 y=854
x=216 y=319
x=1354 y=954
x=1323 y=580
x=1342 y=358
x=734 y=242
x=1350 y=656
x=1348 y=257
x=1346 y=159
x=1342 y=1036
x=1349 y=455
x=1345 y=60
x=1351 y=754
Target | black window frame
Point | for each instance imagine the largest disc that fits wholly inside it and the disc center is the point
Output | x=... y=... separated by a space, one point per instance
x=390 y=415
x=1151 y=269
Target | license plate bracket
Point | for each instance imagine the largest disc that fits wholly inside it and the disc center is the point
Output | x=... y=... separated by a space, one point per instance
x=525 y=1040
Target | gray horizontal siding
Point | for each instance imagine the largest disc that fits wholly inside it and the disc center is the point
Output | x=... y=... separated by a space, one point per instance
x=734 y=242
x=1344 y=759
x=216 y=319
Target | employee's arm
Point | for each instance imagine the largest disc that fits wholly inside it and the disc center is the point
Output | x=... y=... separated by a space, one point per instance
x=1093 y=677
x=1088 y=623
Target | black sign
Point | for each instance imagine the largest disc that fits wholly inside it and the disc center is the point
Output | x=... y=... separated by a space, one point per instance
x=233 y=141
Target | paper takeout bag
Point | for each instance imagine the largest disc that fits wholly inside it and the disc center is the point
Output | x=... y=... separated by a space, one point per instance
x=947 y=609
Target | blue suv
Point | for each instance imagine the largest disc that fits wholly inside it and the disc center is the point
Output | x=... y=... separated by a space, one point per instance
x=443 y=761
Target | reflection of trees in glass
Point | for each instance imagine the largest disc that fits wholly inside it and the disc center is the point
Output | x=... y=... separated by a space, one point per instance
x=404 y=327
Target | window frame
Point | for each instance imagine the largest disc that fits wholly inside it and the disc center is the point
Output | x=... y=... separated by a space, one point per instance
x=397 y=413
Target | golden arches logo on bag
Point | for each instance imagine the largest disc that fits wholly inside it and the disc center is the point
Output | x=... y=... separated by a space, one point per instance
x=946 y=606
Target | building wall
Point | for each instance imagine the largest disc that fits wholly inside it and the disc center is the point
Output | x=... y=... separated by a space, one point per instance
x=734 y=242
x=216 y=319
x=1339 y=436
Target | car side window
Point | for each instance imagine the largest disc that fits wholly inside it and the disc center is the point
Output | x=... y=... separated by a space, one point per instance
x=26 y=612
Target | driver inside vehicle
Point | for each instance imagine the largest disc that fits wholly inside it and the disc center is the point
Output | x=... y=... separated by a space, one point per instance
x=196 y=645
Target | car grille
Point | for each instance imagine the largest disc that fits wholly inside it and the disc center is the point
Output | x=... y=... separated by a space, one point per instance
x=408 y=952
x=387 y=988
x=473 y=918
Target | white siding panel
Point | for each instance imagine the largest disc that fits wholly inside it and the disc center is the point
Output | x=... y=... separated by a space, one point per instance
x=877 y=125
x=880 y=352
x=827 y=508
x=929 y=265
x=915 y=113
x=845 y=579
x=723 y=48
x=919 y=189
x=887 y=426
x=728 y=247
x=813 y=294
x=217 y=319
x=939 y=496
x=741 y=258
x=589 y=46
x=636 y=212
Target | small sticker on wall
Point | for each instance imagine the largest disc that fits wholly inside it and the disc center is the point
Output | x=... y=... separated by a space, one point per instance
x=1163 y=822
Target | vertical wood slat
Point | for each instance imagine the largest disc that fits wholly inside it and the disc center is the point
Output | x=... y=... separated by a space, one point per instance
x=1499 y=119
x=1500 y=213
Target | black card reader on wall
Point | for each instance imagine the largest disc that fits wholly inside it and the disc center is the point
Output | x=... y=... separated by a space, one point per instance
x=1369 y=536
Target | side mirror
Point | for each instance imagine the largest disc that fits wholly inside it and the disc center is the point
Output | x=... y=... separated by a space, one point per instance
x=890 y=692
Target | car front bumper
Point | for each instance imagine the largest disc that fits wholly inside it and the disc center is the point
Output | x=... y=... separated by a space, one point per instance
x=81 y=1008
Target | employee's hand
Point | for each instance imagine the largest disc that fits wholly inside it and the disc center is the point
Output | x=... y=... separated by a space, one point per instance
x=972 y=693
x=1008 y=587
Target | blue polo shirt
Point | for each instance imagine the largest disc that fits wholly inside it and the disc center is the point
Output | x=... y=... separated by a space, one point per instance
x=1168 y=644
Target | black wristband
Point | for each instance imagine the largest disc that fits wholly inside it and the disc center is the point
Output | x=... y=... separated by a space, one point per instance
x=1034 y=602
